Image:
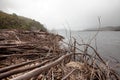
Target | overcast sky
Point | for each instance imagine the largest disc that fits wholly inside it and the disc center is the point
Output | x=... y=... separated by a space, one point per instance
x=58 y=14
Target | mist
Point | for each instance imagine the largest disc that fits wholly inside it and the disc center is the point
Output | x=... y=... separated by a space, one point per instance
x=64 y=14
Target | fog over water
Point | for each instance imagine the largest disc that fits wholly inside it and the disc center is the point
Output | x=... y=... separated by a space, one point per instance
x=107 y=42
x=57 y=14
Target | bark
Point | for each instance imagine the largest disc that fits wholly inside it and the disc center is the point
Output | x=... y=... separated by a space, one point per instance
x=16 y=71
x=16 y=66
x=65 y=77
x=39 y=70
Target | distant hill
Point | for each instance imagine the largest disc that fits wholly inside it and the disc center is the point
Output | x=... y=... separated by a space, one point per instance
x=109 y=28
x=13 y=21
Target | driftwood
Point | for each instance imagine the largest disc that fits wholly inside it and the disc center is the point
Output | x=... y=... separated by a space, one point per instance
x=38 y=71
x=17 y=65
x=22 y=55
x=24 y=63
x=65 y=77
x=27 y=45
x=35 y=55
x=16 y=71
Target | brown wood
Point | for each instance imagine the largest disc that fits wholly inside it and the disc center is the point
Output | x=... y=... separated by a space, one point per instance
x=16 y=71
x=39 y=70
x=65 y=77
x=16 y=66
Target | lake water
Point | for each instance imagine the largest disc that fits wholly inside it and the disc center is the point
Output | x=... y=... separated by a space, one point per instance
x=108 y=42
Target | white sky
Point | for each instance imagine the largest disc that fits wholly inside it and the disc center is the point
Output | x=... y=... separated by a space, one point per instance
x=57 y=14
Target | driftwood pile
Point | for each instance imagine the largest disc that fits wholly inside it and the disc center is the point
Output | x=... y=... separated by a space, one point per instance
x=17 y=46
x=36 y=55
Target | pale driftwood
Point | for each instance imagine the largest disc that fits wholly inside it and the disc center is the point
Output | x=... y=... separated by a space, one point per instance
x=16 y=71
x=21 y=55
x=16 y=66
x=65 y=77
x=38 y=71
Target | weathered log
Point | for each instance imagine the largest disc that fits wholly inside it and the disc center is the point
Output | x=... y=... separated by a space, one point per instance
x=22 y=55
x=21 y=46
x=22 y=64
x=65 y=77
x=16 y=65
x=38 y=71
x=16 y=71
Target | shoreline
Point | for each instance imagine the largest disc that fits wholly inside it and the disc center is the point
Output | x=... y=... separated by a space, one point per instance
x=38 y=55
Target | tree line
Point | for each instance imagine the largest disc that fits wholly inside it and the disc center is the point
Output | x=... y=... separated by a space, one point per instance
x=13 y=21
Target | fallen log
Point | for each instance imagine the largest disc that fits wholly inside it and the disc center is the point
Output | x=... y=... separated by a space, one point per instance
x=19 y=65
x=65 y=77
x=38 y=71
x=16 y=71
x=16 y=66
x=21 y=55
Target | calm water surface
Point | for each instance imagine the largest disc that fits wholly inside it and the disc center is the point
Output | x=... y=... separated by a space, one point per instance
x=108 y=42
